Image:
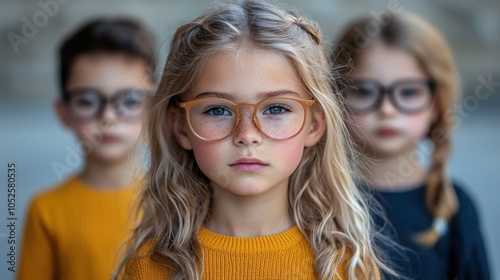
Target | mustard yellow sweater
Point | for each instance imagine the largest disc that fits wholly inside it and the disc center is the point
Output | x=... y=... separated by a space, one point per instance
x=74 y=232
x=286 y=255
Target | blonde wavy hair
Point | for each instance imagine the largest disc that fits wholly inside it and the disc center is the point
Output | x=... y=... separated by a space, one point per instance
x=323 y=199
x=419 y=38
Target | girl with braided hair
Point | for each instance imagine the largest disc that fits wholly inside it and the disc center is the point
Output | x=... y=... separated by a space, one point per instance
x=250 y=173
x=399 y=90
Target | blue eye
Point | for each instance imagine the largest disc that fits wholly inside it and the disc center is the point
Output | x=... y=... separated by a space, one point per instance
x=218 y=111
x=275 y=110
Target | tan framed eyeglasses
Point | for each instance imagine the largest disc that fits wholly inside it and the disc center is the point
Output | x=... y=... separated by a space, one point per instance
x=277 y=118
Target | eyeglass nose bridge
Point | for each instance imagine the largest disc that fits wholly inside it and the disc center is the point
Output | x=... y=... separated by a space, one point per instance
x=386 y=91
x=254 y=115
x=104 y=101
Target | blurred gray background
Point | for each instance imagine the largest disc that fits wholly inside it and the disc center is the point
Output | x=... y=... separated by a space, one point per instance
x=31 y=136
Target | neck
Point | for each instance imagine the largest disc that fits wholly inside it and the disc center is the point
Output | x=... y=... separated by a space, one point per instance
x=242 y=216
x=396 y=172
x=106 y=175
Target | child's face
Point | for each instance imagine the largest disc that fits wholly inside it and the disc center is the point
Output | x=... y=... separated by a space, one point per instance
x=247 y=163
x=107 y=136
x=386 y=130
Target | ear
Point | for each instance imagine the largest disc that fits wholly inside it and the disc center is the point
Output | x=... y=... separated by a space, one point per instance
x=180 y=129
x=316 y=129
x=62 y=114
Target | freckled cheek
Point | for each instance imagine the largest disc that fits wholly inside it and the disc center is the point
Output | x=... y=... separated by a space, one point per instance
x=208 y=156
x=288 y=154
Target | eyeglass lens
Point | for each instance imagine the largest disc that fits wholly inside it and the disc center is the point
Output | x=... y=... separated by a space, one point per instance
x=410 y=96
x=87 y=104
x=277 y=118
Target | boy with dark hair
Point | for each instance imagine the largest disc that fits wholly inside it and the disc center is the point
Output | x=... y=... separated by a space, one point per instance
x=75 y=230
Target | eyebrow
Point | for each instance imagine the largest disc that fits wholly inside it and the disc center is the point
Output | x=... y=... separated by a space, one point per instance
x=262 y=95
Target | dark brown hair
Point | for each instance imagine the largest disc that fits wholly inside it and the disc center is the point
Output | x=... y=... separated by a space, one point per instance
x=109 y=35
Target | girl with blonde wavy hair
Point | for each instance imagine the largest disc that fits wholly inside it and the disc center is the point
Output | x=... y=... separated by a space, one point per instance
x=400 y=91
x=250 y=174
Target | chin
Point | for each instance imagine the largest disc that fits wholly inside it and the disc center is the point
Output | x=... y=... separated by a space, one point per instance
x=111 y=158
x=383 y=152
x=245 y=191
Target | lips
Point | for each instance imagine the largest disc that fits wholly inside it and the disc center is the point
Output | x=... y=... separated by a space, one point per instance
x=248 y=164
x=109 y=138
x=387 y=132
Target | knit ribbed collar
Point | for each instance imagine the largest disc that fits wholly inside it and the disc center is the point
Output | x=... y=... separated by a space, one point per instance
x=76 y=182
x=275 y=242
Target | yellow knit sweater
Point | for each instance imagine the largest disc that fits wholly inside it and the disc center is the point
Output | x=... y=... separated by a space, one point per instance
x=286 y=255
x=74 y=231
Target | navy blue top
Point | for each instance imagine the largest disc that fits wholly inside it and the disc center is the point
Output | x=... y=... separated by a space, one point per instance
x=459 y=254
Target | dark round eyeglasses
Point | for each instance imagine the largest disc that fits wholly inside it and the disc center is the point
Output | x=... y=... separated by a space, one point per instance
x=89 y=104
x=408 y=96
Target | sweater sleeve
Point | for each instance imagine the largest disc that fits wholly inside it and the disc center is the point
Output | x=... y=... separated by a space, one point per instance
x=37 y=260
x=469 y=258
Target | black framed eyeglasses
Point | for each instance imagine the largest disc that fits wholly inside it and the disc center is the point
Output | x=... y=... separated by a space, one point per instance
x=408 y=96
x=89 y=103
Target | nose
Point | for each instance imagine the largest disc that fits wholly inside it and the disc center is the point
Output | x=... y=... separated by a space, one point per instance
x=108 y=115
x=247 y=133
x=386 y=108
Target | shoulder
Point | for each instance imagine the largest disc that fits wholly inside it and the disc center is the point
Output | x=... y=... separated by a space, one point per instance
x=465 y=225
x=146 y=265
x=57 y=191
x=468 y=249
x=46 y=209
x=467 y=211
x=462 y=194
x=51 y=196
